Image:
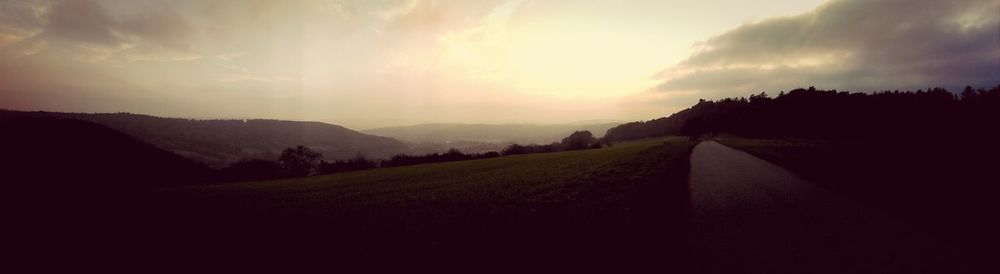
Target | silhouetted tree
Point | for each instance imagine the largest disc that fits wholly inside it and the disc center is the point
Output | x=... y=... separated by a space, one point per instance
x=359 y=162
x=515 y=149
x=968 y=93
x=759 y=98
x=694 y=128
x=299 y=161
x=578 y=140
x=451 y=155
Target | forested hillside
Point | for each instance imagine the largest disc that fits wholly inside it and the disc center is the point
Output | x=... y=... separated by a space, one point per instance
x=219 y=143
x=818 y=114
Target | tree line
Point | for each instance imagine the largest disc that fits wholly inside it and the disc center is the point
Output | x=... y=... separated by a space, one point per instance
x=302 y=161
x=830 y=114
x=576 y=141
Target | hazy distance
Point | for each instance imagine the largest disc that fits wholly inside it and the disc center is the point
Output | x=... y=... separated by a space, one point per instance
x=489 y=133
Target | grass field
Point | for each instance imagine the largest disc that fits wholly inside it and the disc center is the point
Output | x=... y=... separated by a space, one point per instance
x=917 y=179
x=576 y=202
x=803 y=157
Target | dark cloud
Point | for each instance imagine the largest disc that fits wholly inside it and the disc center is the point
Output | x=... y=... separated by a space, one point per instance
x=88 y=30
x=19 y=16
x=83 y=21
x=851 y=44
x=163 y=26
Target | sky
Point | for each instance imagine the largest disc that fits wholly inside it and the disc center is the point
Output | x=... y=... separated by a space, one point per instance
x=366 y=64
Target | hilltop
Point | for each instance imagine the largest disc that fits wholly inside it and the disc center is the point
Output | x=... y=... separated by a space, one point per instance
x=221 y=142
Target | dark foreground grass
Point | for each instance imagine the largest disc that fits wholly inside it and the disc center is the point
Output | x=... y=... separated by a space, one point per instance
x=937 y=185
x=807 y=158
x=900 y=173
x=624 y=205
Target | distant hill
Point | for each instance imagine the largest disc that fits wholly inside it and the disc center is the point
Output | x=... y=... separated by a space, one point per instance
x=222 y=142
x=69 y=154
x=488 y=133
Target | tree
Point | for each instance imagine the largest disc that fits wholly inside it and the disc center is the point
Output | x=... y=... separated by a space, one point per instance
x=359 y=162
x=694 y=127
x=299 y=161
x=515 y=149
x=578 y=140
x=968 y=94
x=759 y=98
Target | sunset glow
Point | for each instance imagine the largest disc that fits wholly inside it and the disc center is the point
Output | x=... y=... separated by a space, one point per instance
x=376 y=63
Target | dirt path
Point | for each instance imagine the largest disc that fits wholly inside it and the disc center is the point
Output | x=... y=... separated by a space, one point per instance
x=751 y=216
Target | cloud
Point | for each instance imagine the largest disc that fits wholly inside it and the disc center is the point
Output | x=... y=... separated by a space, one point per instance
x=439 y=15
x=162 y=26
x=87 y=30
x=20 y=20
x=859 y=45
x=20 y=23
x=83 y=21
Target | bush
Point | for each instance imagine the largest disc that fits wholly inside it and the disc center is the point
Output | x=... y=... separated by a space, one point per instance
x=450 y=156
x=300 y=161
x=578 y=140
x=359 y=162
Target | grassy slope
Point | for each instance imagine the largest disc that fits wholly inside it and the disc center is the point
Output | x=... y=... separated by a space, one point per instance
x=865 y=171
x=868 y=170
x=800 y=156
x=937 y=185
x=578 y=202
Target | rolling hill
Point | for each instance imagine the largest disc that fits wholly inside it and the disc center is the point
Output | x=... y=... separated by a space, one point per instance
x=222 y=142
x=69 y=154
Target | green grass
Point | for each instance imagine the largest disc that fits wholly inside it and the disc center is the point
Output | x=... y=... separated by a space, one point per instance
x=575 y=186
x=609 y=205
